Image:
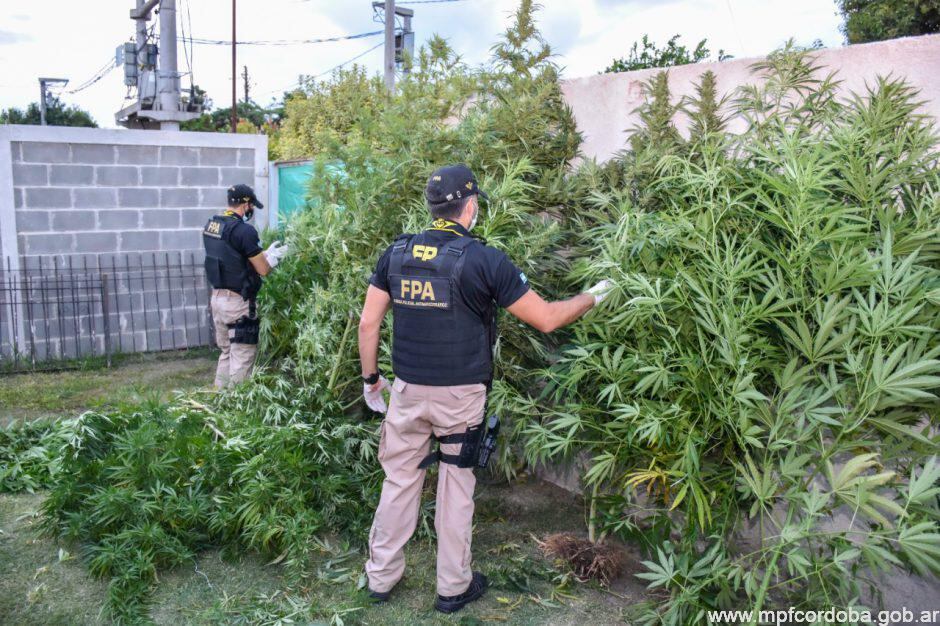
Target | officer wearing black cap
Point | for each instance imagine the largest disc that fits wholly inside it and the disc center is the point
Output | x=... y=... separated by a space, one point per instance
x=443 y=286
x=234 y=265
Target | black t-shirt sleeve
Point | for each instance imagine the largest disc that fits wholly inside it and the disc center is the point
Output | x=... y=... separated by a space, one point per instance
x=506 y=281
x=245 y=239
x=380 y=276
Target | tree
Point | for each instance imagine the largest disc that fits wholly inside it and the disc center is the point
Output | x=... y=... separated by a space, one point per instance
x=251 y=116
x=670 y=55
x=877 y=20
x=57 y=114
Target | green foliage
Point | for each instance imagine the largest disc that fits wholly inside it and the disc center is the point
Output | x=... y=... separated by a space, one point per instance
x=877 y=20
x=57 y=114
x=352 y=104
x=522 y=50
x=263 y=468
x=29 y=454
x=516 y=134
x=670 y=55
x=655 y=137
x=705 y=110
x=769 y=355
x=220 y=120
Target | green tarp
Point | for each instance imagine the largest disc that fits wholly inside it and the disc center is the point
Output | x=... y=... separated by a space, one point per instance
x=293 y=180
x=292 y=188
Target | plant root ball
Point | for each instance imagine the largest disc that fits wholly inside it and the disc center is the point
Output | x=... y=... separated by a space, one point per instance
x=602 y=562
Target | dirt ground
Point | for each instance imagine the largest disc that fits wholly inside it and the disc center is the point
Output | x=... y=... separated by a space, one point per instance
x=44 y=583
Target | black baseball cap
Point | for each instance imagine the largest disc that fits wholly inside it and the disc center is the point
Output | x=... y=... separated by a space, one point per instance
x=452 y=182
x=238 y=194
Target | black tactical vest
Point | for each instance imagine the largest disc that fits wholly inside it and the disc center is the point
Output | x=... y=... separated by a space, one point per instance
x=437 y=338
x=226 y=267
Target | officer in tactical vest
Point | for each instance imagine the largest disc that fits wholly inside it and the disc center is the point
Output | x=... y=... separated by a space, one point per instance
x=443 y=286
x=235 y=264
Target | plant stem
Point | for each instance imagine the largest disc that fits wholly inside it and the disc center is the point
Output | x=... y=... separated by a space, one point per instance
x=759 y=600
x=592 y=513
x=762 y=592
x=339 y=353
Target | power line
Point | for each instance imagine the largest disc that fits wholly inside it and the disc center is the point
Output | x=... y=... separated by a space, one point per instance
x=98 y=75
x=279 y=42
x=332 y=69
x=187 y=53
x=355 y=58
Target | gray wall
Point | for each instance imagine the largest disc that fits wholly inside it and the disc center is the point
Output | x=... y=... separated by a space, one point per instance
x=86 y=194
x=77 y=202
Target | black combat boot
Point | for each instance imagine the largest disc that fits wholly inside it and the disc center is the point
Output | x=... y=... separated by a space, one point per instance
x=378 y=597
x=452 y=604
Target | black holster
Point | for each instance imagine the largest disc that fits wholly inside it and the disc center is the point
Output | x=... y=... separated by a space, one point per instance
x=247 y=327
x=478 y=444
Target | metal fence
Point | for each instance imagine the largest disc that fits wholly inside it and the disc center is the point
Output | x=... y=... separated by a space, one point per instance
x=59 y=309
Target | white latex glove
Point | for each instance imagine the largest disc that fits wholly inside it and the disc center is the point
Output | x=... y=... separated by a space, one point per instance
x=600 y=291
x=373 y=395
x=275 y=252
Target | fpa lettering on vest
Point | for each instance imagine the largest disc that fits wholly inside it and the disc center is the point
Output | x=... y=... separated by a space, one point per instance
x=424 y=253
x=420 y=292
x=213 y=229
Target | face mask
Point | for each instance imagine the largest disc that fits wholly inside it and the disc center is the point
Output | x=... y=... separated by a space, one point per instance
x=476 y=215
x=248 y=215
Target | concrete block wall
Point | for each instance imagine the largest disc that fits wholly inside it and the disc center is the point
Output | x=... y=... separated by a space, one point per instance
x=96 y=199
x=155 y=301
x=104 y=198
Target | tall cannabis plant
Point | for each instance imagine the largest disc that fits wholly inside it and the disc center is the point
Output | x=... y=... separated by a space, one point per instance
x=770 y=357
x=507 y=121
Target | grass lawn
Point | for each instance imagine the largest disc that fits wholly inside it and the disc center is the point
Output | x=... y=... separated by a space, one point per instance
x=43 y=582
x=131 y=379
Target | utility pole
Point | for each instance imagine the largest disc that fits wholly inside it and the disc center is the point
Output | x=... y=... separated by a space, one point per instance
x=153 y=70
x=42 y=102
x=390 y=46
x=234 y=120
x=397 y=47
x=140 y=32
x=168 y=84
x=44 y=95
x=245 y=79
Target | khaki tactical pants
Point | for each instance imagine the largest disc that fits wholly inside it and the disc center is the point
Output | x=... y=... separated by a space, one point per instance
x=415 y=411
x=237 y=358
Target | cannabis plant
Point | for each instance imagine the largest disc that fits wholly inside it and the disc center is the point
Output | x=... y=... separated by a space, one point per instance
x=29 y=454
x=507 y=121
x=267 y=468
x=769 y=360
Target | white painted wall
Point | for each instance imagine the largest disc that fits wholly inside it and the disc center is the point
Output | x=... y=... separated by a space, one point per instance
x=604 y=104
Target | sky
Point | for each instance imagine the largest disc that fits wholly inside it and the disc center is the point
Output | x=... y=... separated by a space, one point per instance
x=58 y=38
